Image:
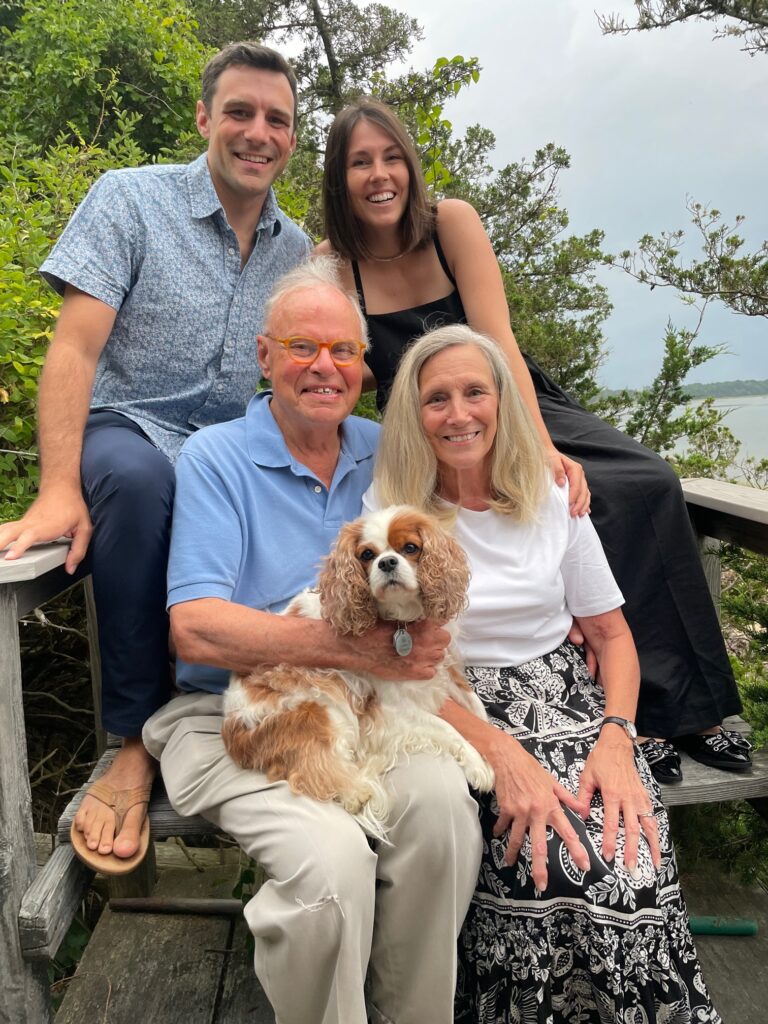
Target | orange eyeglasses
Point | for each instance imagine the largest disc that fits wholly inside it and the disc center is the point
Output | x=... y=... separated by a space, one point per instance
x=306 y=350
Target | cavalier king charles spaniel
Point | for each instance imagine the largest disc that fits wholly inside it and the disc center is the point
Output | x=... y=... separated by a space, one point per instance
x=333 y=735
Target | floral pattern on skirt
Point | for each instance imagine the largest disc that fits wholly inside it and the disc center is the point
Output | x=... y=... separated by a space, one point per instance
x=608 y=946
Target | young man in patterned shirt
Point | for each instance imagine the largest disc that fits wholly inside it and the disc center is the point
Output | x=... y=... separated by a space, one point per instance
x=164 y=272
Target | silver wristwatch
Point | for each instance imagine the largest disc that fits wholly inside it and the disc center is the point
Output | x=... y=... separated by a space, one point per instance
x=626 y=725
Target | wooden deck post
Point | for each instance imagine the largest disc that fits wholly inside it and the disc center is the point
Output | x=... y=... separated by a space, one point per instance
x=25 y=998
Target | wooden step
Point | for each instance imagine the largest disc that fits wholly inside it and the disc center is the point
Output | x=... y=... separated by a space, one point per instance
x=169 y=968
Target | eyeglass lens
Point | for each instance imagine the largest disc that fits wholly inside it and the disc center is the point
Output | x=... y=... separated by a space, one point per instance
x=305 y=350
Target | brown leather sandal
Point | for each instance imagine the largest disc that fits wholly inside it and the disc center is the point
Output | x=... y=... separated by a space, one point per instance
x=120 y=801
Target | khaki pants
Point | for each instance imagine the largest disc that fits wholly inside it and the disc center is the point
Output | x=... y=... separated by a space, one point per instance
x=334 y=910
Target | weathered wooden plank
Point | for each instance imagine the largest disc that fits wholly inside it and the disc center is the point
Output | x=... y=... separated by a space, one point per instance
x=747 y=503
x=25 y=998
x=94 y=657
x=164 y=969
x=703 y=785
x=242 y=998
x=172 y=853
x=139 y=882
x=50 y=904
x=729 y=512
x=734 y=967
x=35 y=562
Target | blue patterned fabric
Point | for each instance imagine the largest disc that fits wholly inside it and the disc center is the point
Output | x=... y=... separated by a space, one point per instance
x=154 y=243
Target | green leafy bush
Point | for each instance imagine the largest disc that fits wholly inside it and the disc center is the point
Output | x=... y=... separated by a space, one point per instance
x=79 y=62
x=37 y=196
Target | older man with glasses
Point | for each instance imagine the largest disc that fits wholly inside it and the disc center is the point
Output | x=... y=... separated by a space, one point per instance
x=259 y=501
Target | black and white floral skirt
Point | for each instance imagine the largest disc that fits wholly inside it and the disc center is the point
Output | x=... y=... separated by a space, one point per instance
x=608 y=946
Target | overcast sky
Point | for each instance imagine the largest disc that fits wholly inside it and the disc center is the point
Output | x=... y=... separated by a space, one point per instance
x=648 y=119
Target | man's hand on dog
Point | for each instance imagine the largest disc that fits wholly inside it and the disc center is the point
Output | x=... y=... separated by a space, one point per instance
x=375 y=651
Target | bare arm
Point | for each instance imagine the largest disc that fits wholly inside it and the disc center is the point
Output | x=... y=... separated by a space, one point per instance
x=66 y=383
x=610 y=766
x=212 y=631
x=529 y=797
x=473 y=262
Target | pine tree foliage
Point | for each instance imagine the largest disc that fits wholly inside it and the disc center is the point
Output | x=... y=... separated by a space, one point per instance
x=739 y=280
x=747 y=20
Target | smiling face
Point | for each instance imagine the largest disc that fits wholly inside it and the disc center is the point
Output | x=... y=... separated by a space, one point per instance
x=249 y=128
x=459 y=414
x=377 y=177
x=308 y=399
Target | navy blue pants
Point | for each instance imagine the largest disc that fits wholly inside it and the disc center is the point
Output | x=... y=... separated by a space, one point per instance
x=128 y=485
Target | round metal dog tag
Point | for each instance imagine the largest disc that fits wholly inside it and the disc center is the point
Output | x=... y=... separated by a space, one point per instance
x=402 y=642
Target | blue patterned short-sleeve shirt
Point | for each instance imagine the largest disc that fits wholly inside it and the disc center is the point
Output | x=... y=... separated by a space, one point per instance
x=154 y=243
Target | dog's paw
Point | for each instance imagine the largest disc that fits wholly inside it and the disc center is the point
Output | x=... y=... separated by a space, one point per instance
x=369 y=804
x=478 y=772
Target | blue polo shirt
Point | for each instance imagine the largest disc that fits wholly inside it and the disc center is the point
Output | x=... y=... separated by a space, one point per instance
x=155 y=244
x=251 y=524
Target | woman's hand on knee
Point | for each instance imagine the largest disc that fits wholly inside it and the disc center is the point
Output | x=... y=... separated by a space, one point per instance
x=530 y=800
x=610 y=768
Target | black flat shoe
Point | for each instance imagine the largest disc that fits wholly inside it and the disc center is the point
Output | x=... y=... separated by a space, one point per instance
x=663 y=760
x=726 y=750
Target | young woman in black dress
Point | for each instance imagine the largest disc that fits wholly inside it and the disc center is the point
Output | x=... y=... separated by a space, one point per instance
x=417 y=265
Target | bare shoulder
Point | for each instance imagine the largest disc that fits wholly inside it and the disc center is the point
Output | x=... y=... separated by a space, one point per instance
x=461 y=233
x=455 y=214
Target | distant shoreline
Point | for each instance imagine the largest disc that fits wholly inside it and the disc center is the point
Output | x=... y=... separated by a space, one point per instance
x=717 y=389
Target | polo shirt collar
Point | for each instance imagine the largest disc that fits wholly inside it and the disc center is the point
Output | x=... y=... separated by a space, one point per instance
x=204 y=201
x=266 y=444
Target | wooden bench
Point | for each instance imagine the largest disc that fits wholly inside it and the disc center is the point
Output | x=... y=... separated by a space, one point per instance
x=36 y=909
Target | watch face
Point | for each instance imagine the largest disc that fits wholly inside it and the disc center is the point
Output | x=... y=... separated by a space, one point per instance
x=626 y=725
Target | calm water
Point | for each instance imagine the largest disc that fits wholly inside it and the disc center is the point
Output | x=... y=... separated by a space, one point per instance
x=747 y=418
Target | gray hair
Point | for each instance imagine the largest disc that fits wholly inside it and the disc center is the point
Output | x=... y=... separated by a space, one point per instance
x=406 y=467
x=318 y=272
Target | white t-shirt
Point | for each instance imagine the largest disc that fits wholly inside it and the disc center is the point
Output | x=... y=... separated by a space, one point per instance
x=528 y=580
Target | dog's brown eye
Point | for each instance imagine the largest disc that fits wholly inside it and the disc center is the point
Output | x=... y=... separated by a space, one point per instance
x=410 y=549
x=367 y=555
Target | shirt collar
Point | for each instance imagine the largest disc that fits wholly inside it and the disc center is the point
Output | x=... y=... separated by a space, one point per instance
x=266 y=444
x=204 y=201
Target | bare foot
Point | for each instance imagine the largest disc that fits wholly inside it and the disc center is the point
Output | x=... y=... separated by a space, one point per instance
x=132 y=767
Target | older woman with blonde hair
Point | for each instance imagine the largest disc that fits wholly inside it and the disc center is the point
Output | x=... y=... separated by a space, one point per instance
x=547 y=938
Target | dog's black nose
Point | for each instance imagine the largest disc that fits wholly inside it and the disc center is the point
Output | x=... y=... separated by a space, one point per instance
x=388 y=563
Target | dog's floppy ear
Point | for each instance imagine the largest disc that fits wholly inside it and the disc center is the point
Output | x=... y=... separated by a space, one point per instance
x=443 y=573
x=345 y=595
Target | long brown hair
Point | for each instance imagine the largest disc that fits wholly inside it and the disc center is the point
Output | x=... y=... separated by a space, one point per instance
x=341 y=227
